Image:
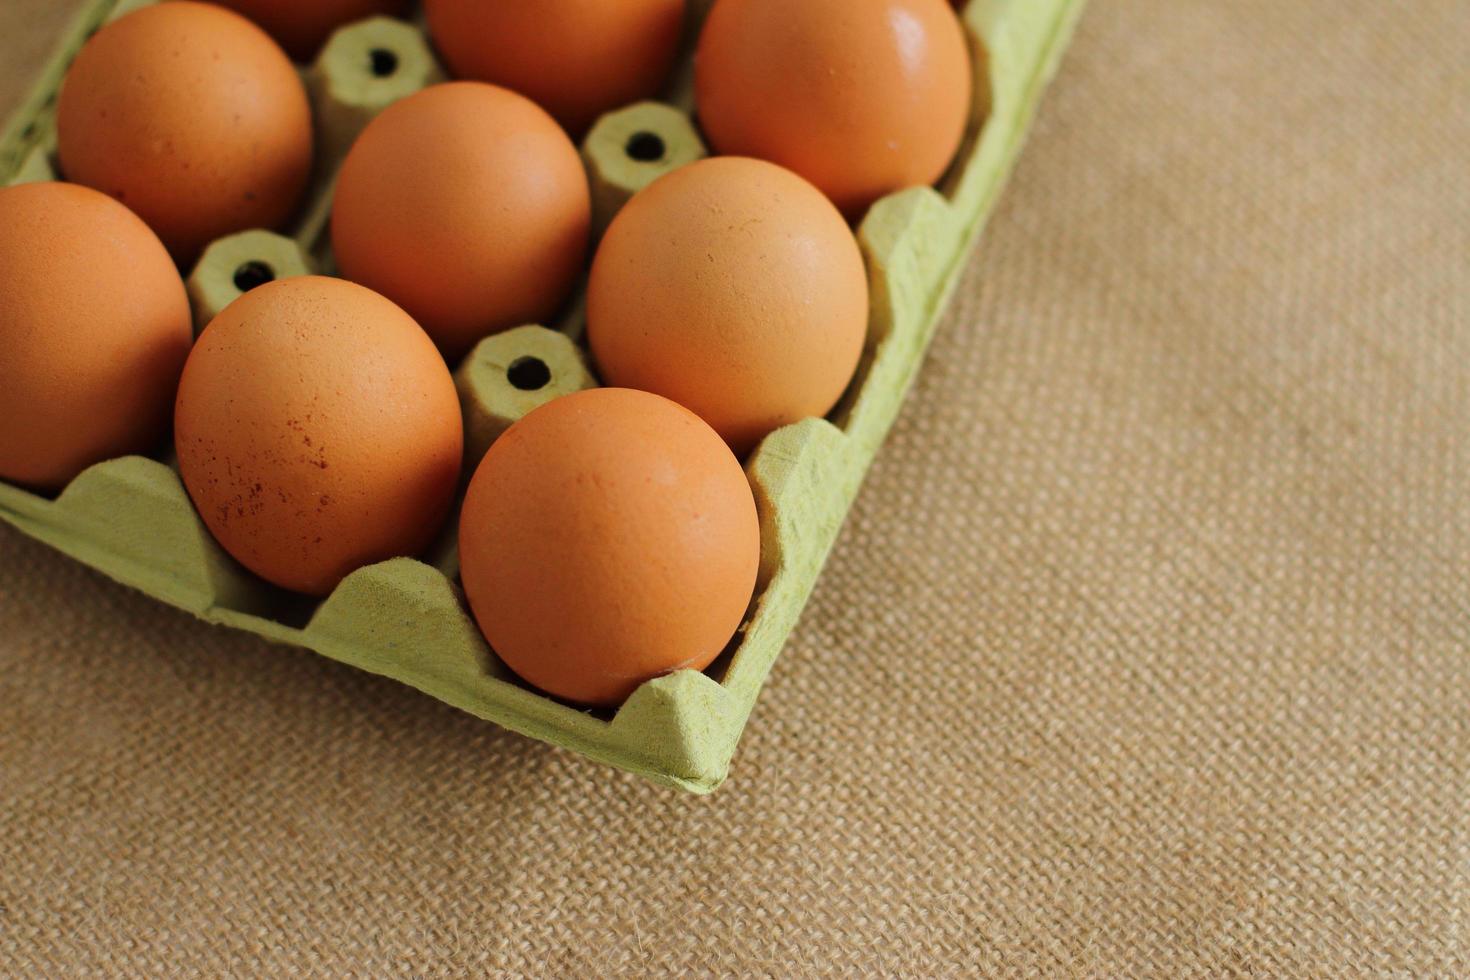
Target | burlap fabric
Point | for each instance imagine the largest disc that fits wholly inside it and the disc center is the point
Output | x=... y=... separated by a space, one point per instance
x=1143 y=653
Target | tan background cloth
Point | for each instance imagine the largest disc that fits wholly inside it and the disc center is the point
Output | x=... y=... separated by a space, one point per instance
x=1144 y=651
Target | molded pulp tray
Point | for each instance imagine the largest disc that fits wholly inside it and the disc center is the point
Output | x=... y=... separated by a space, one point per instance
x=130 y=518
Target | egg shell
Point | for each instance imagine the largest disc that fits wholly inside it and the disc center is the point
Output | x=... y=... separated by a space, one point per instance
x=318 y=430
x=302 y=26
x=191 y=116
x=861 y=97
x=607 y=538
x=94 y=329
x=735 y=288
x=468 y=206
x=575 y=58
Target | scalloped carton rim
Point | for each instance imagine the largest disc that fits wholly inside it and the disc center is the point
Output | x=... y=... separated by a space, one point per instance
x=131 y=519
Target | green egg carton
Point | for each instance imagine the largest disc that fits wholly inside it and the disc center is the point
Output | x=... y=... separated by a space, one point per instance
x=406 y=619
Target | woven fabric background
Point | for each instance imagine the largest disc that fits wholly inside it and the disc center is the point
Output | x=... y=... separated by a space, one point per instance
x=1144 y=651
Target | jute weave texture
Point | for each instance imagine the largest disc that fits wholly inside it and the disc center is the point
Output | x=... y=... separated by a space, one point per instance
x=1144 y=652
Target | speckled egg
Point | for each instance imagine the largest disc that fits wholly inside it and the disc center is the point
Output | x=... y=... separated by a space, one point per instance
x=318 y=430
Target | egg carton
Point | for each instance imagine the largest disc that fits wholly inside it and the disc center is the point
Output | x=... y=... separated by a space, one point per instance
x=131 y=519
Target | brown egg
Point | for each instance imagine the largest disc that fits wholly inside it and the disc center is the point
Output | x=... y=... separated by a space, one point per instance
x=191 y=116
x=735 y=288
x=318 y=431
x=466 y=205
x=303 y=26
x=607 y=538
x=576 y=58
x=861 y=97
x=94 y=329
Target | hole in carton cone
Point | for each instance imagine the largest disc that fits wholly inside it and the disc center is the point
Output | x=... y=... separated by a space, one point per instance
x=529 y=373
x=647 y=147
x=383 y=62
x=252 y=274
